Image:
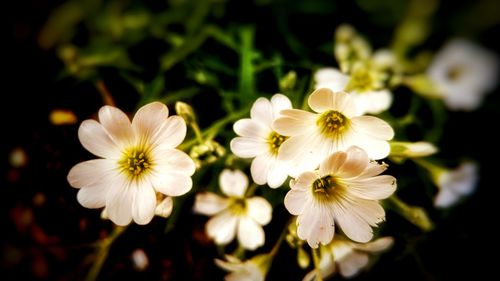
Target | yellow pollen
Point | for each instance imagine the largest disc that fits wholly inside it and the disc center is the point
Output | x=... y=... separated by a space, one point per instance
x=324 y=186
x=275 y=140
x=238 y=206
x=332 y=123
x=135 y=162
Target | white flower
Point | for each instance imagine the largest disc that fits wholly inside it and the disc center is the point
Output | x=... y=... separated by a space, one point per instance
x=464 y=72
x=350 y=257
x=257 y=139
x=335 y=127
x=234 y=214
x=137 y=160
x=365 y=84
x=254 y=269
x=455 y=184
x=345 y=189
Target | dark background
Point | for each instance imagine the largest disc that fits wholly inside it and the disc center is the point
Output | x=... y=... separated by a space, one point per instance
x=48 y=235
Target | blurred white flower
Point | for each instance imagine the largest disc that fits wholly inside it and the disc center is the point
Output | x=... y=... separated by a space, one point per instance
x=464 y=73
x=350 y=257
x=140 y=260
x=254 y=269
x=368 y=100
x=137 y=160
x=335 y=126
x=164 y=207
x=345 y=189
x=234 y=214
x=257 y=139
x=455 y=184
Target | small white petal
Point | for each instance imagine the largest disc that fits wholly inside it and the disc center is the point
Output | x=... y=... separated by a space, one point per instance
x=88 y=173
x=149 y=119
x=332 y=163
x=376 y=149
x=260 y=168
x=119 y=200
x=169 y=159
x=376 y=246
x=373 y=102
x=374 y=188
x=278 y=173
x=171 y=133
x=164 y=209
x=248 y=147
x=373 y=127
x=324 y=99
x=293 y=122
x=116 y=124
x=355 y=218
x=316 y=225
x=233 y=183
x=259 y=210
x=222 y=227
x=262 y=111
x=209 y=204
x=250 y=234
x=97 y=141
x=172 y=183
x=144 y=205
x=296 y=201
x=352 y=264
x=330 y=78
x=446 y=198
x=252 y=129
x=93 y=197
x=280 y=102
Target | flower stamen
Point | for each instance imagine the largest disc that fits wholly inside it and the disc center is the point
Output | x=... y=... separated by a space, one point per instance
x=332 y=123
x=135 y=162
x=275 y=140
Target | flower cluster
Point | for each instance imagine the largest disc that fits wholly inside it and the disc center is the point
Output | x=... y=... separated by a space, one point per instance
x=330 y=156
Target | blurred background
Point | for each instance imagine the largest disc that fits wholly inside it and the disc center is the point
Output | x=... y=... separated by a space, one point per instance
x=66 y=58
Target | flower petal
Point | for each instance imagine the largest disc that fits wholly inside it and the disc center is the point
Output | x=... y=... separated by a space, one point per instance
x=97 y=141
x=172 y=183
x=355 y=163
x=171 y=134
x=316 y=225
x=280 y=102
x=233 y=183
x=332 y=163
x=376 y=246
x=209 y=203
x=222 y=227
x=93 y=197
x=88 y=173
x=373 y=102
x=324 y=99
x=374 y=188
x=294 y=122
x=252 y=129
x=351 y=264
x=445 y=198
x=296 y=201
x=119 y=201
x=373 y=127
x=260 y=168
x=144 y=205
x=170 y=159
x=330 y=78
x=116 y=124
x=304 y=181
x=376 y=149
x=262 y=111
x=356 y=216
x=164 y=209
x=259 y=210
x=149 y=119
x=248 y=147
x=250 y=234
x=278 y=173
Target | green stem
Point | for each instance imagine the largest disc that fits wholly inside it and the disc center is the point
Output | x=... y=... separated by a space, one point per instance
x=319 y=276
x=197 y=132
x=102 y=253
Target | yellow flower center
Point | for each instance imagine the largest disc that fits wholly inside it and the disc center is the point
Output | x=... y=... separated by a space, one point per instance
x=454 y=73
x=135 y=162
x=324 y=186
x=275 y=140
x=332 y=123
x=238 y=206
x=362 y=80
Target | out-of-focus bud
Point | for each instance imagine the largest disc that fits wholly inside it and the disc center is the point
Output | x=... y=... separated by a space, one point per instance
x=422 y=85
x=104 y=214
x=345 y=33
x=164 y=207
x=303 y=259
x=18 y=158
x=287 y=83
x=206 y=153
x=412 y=149
x=140 y=260
x=185 y=111
x=62 y=117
